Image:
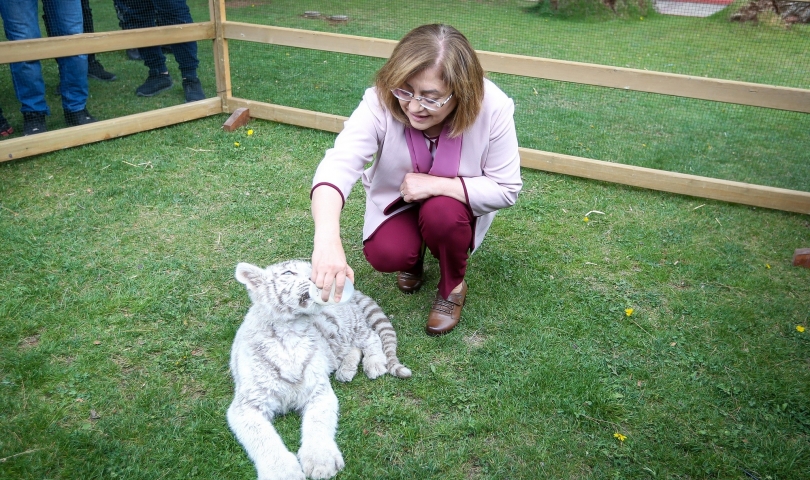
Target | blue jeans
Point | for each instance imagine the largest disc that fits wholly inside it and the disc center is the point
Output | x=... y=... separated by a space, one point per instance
x=158 y=13
x=21 y=22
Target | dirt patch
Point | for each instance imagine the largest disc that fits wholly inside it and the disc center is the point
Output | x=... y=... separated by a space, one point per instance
x=475 y=340
x=29 y=342
x=245 y=3
x=788 y=12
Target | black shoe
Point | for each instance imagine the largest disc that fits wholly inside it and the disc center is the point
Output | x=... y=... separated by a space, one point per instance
x=33 y=123
x=96 y=70
x=5 y=128
x=133 y=54
x=193 y=89
x=154 y=84
x=82 y=117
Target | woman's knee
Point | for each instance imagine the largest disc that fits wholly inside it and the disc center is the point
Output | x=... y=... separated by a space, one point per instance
x=444 y=215
x=389 y=256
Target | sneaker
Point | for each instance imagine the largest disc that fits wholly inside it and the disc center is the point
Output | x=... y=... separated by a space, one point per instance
x=33 y=123
x=96 y=70
x=133 y=54
x=193 y=89
x=5 y=128
x=82 y=117
x=154 y=84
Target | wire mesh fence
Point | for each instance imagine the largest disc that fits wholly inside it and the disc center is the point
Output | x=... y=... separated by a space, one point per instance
x=699 y=137
x=758 y=42
x=116 y=82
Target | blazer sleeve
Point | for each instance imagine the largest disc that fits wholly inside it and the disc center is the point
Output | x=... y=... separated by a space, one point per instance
x=500 y=183
x=355 y=146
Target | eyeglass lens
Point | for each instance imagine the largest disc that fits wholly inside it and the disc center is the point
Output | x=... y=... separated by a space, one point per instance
x=408 y=96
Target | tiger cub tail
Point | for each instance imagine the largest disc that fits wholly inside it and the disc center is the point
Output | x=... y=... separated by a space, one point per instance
x=379 y=322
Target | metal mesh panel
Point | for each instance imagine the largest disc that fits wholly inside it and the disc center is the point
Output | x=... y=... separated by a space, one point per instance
x=722 y=140
x=113 y=77
x=759 y=42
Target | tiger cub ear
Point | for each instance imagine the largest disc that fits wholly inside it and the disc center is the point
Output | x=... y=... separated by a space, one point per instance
x=249 y=275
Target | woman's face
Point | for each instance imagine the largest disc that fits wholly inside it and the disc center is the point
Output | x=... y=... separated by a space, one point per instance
x=429 y=84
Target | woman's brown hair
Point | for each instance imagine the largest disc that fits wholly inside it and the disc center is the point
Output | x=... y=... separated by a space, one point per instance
x=426 y=47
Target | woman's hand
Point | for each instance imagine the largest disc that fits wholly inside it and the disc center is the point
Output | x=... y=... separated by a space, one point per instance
x=328 y=257
x=421 y=186
x=329 y=266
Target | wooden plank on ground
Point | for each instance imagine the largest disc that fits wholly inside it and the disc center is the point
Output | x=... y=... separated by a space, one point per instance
x=801 y=257
x=743 y=93
x=21 y=147
x=55 y=47
x=693 y=185
x=239 y=118
x=292 y=116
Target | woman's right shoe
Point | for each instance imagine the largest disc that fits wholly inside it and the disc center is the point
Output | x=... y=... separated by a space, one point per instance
x=445 y=314
x=410 y=283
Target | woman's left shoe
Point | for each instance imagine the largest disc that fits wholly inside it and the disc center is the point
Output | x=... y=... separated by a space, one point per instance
x=445 y=314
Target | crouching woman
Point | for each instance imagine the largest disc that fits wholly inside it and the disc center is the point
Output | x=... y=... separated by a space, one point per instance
x=441 y=142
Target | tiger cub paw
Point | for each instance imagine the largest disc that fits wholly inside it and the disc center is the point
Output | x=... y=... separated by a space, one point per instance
x=322 y=460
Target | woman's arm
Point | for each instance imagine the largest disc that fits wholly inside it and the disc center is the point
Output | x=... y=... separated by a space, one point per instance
x=328 y=257
x=500 y=183
x=420 y=186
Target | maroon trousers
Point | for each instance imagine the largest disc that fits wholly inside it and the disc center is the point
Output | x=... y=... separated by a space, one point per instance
x=443 y=224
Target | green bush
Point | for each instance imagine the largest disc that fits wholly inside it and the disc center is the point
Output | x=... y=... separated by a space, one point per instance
x=593 y=9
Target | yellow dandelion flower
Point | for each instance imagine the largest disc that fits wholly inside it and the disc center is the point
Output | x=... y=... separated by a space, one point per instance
x=619 y=436
x=235 y=144
x=586 y=219
x=250 y=132
x=799 y=328
x=628 y=311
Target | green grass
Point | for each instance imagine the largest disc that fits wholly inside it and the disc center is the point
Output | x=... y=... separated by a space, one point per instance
x=118 y=304
x=118 y=299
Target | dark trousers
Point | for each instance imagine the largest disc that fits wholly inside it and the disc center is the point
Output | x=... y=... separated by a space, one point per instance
x=443 y=224
x=154 y=13
x=87 y=20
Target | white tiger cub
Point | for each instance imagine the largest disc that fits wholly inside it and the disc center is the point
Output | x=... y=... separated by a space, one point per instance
x=281 y=360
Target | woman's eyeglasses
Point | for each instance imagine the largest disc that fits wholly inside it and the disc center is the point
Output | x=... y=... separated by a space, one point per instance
x=428 y=103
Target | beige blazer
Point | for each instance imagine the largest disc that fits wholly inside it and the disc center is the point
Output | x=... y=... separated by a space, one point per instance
x=372 y=146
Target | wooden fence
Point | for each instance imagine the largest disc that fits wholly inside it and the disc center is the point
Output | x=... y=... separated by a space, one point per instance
x=221 y=31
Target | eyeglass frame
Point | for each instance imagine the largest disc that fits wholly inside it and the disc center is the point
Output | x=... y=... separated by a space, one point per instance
x=412 y=97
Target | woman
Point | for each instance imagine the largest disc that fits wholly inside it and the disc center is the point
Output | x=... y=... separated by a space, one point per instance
x=444 y=158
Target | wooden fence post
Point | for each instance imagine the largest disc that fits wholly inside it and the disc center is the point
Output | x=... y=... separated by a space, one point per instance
x=222 y=66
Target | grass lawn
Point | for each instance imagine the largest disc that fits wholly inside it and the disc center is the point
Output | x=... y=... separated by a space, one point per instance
x=118 y=304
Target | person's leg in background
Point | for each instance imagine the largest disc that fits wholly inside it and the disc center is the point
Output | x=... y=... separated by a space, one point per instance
x=94 y=68
x=67 y=16
x=176 y=12
x=143 y=14
x=5 y=127
x=20 y=22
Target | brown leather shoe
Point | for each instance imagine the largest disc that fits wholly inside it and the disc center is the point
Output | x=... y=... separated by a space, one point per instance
x=445 y=314
x=410 y=283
